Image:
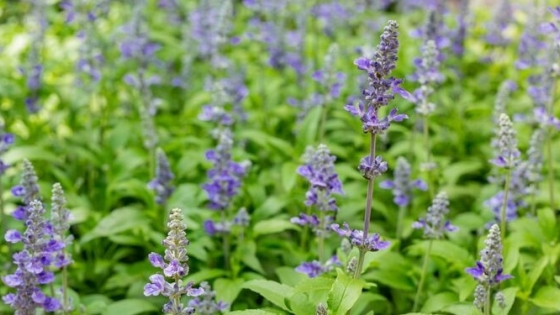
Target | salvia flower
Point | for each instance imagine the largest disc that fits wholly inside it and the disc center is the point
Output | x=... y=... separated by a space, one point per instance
x=402 y=185
x=508 y=155
x=331 y=15
x=33 y=70
x=502 y=99
x=500 y=21
x=6 y=141
x=319 y=171
x=32 y=264
x=28 y=189
x=174 y=266
x=162 y=183
x=225 y=175
x=435 y=30
x=535 y=159
x=60 y=222
x=489 y=270
x=531 y=43
x=459 y=35
x=371 y=243
x=435 y=224
x=315 y=268
x=427 y=74
x=206 y=304
x=210 y=25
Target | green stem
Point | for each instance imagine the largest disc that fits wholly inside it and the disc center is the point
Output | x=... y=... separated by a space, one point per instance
x=423 y=276
x=64 y=290
x=402 y=211
x=504 y=205
x=225 y=244
x=369 y=201
x=321 y=237
x=359 y=267
x=488 y=303
x=322 y=123
x=428 y=156
x=3 y=217
x=549 y=149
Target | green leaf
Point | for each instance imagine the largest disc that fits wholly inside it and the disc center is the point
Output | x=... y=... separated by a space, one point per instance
x=269 y=207
x=344 y=293
x=547 y=222
x=461 y=309
x=287 y=275
x=205 y=274
x=129 y=307
x=509 y=295
x=274 y=292
x=535 y=273
x=547 y=297
x=438 y=301
x=289 y=175
x=249 y=256
x=31 y=153
x=251 y=312
x=118 y=221
x=272 y=226
x=227 y=290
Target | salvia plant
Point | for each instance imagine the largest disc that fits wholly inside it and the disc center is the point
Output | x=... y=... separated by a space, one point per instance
x=174 y=266
x=489 y=272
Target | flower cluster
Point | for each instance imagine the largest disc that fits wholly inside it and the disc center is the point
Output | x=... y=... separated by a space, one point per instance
x=225 y=176
x=502 y=98
x=502 y=18
x=402 y=184
x=162 y=183
x=33 y=262
x=174 y=266
x=331 y=15
x=319 y=171
x=489 y=270
x=210 y=23
x=381 y=87
x=371 y=243
x=33 y=71
x=205 y=304
x=508 y=155
x=28 y=189
x=427 y=75
x=435 y=224
x=60 y=223
x=85 y=14
x=6 y=140
x=315 y=268
x=531 y=43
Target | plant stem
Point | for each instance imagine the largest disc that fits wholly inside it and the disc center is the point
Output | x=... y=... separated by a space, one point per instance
x=549 y=149
x=488 y=305
x=322 y=123
x=402 y=211
x=359 y=267
x=504 y=205
x=428 y=157
x=225 y=244
x=3 y=217
x=64 y=290
x=423 y=276
x=369 y=200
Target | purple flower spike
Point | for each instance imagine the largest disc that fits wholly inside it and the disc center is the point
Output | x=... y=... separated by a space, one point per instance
x=174 y=266
x=489 y=270
x=434 y=224
x=402 y=185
